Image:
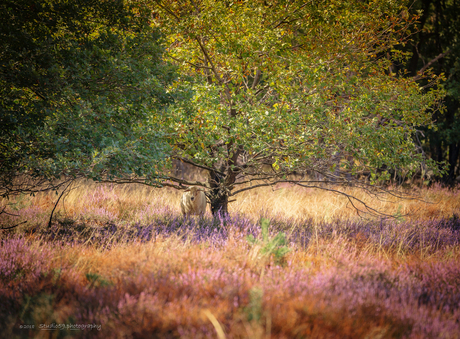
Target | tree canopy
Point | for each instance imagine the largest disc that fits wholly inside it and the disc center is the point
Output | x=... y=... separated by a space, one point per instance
x=80 y=83
x=252 y=92
x=284 y=88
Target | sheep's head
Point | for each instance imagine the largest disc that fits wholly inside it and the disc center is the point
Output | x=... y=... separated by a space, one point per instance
x=194 y=191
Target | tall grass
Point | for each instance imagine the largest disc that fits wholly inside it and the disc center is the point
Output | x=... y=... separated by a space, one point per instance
x=105 y=202
x=122 y=262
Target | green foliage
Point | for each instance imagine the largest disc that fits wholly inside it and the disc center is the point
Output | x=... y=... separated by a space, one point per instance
x=301 y=87
x=275 y=246
x=80 y=84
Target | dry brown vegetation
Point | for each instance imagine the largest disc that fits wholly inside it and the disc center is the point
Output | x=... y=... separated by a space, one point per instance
x=350 y=279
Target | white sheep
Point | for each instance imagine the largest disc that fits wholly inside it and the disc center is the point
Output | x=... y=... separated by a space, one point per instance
x=193 y=201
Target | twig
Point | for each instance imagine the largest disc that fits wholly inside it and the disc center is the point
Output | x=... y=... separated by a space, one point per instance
x=3 y=211
x=55 y=205
x=10 y=227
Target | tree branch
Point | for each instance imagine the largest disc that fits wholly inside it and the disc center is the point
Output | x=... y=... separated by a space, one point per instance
x=352 y=199
x=208 y=58
x=257 y=78
x=187 y=161
x=5 y=212
x=144 y=181
x=432 y=61
x=10 y=227
x=55 y=205
x=170 y=12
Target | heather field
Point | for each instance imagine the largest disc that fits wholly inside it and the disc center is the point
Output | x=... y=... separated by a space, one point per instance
x=122 y=262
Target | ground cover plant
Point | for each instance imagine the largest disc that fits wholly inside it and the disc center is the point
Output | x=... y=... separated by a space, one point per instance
x=122 y=261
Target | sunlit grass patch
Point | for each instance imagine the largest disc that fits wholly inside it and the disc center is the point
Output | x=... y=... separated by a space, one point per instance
x=129 y=204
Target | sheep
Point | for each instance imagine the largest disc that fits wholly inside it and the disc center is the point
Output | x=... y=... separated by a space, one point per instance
x=193 y=201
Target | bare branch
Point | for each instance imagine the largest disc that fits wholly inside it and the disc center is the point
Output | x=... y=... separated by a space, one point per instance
x=432 y=61
x=182 y=184
x=10 y=227
x=7 y=213
x=28 y=185
x=55 y=205
x=187 y=161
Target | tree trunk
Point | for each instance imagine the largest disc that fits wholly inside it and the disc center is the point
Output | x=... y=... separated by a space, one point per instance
x=219 y=203
x=453 y=157
x=218 y=194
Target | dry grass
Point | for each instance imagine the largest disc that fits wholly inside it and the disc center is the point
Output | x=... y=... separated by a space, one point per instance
x=343 y=283
x=321 y=205
x=127 y=202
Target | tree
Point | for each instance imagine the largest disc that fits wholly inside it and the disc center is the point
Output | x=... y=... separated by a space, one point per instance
x=283 y=88
x=80 y=83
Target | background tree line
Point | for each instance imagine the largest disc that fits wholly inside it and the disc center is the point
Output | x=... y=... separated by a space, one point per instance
x=436 y=44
